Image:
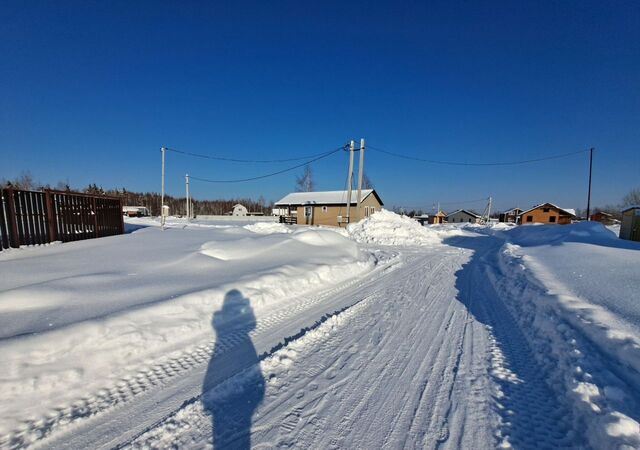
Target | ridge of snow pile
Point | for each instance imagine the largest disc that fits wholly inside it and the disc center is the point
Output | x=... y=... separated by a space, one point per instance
x=586 y=232
x=268 y=228
x=388 y=228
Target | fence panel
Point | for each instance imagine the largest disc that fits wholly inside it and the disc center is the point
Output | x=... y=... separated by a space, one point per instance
x=33 y=218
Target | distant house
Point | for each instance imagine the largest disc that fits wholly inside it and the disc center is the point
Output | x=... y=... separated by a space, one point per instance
x=327 y=207
x=548 y=213
x=630 y=225
x=439 y=217
x=463 y=215
x=422 y=218
x=135 y=211
x=603 y=217
x=511 y=215
x=239 y=210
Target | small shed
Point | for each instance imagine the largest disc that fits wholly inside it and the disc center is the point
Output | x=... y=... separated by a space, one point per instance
x=630 y=225
x=422 y=218
x=135 y=211
x=437 y=218
x=463 y=215
x=603 y=217
x=239 y=210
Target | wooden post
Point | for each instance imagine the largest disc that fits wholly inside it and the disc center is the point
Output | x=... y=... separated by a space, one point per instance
x=121 y=217
x=14 y=238
x=95 y=216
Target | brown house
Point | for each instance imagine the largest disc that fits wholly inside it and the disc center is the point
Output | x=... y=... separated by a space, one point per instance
x=547 y=213
x=326 y=208
x=603 y=217
x=439 y=217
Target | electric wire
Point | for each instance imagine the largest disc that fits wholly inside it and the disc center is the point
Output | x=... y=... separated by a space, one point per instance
x=237 y=160
x=454 y=163
x=259 y=177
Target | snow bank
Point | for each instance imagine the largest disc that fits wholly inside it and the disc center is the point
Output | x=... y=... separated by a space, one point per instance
x=388 y=228
x=574 y=290
x=79 y=317
x=268 y=228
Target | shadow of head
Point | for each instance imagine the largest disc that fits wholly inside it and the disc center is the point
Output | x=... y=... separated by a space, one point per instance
x=235 y=308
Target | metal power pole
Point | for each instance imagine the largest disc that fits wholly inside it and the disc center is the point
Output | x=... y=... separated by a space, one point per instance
x=360 y=175
x=186 y=177
x=162 y=150
x=589 y=194
x=489 y=211
x=350 y=180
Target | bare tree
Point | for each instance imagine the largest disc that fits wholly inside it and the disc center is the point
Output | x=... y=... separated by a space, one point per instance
x=25 y=181
x=304 y=183
x=632 y=198
x=366 y=182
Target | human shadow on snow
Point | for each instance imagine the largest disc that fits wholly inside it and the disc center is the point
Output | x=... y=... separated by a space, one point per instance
x=231 y=402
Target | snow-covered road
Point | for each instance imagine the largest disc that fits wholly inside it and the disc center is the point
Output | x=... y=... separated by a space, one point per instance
x=438 y=346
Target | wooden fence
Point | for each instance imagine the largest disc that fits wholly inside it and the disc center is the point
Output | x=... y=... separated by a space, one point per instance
x=39 y=217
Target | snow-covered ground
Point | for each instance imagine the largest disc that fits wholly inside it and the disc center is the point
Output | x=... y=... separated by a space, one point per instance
x=385 y=335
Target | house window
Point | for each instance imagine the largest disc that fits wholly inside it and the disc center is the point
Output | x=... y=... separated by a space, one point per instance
x=529 y=218
x=545 y=210
x=325 y=209
x=307 y=211
x=552 y=219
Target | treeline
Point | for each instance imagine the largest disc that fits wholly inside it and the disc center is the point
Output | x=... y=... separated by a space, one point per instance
x=177 y=205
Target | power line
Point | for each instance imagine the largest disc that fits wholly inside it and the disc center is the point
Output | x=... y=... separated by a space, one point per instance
x=454 y=163
x=259 y=177
x=222 y=158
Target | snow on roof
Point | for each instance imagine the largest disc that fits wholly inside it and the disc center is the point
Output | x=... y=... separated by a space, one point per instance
x=325 y=197
x=570 y=211
x=628 y=208
x=464 y=211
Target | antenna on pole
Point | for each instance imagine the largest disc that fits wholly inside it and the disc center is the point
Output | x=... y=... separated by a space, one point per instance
x=188 y=200
x=360 y=175
x=350 y=180
x=589 y=194
x=163 y=151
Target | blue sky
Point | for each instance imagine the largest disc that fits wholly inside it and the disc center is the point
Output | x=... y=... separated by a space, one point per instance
x=89 y=91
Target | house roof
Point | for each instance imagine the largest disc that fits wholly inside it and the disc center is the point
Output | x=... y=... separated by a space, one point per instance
x=472 y=214
x=324 y=197
x=628 y=208
x=602 y=213
x=569 y=211
x=513 y=210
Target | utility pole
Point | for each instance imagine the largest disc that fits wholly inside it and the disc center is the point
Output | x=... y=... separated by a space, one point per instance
x=589 y=194
x=360 y=175
x=188 y=206
x=350 y=180
x=489 y=211
x=162 y=150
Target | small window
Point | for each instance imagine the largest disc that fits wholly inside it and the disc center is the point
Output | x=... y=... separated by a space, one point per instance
x=325 y=209
x=308 y=211
x=529 y=218
x=545 y=210
x=552 y=219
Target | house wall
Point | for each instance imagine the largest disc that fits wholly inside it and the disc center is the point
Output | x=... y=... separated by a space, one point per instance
x=630 y=225
x=328 y=214
x=461 y=217
x=539 y=216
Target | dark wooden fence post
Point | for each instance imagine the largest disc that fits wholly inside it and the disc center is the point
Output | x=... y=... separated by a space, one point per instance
x=51 y=216
x=121 y=217
x=14 y=238
x=95 y=216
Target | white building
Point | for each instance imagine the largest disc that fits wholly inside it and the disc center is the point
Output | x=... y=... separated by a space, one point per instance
x=239 y=210
x=462 y=215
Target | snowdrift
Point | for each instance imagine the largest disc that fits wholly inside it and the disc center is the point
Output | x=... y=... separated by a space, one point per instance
x=574 y=290
x=75 y=318
x=388 y=228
